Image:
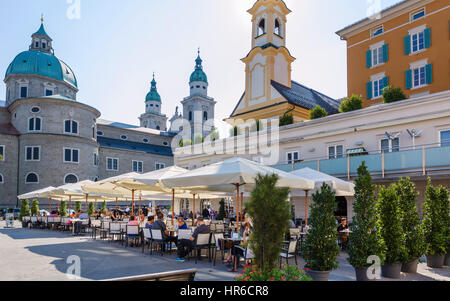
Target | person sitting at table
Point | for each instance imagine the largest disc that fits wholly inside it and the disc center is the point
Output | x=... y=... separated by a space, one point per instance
x=149 y=224
x=160 y=225
x=83 y=215
x=244 y=231
x=185 y=245
x=133 y=221
x=181 y=223
x=343 y=235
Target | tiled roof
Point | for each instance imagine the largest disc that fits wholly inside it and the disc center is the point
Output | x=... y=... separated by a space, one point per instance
x=306 y=97
x=8 y=129
x=135 y=146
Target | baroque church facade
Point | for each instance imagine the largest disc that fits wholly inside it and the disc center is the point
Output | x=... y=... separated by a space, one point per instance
x=49 y=138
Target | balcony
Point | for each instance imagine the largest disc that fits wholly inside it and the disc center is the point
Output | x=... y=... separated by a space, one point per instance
x=420 y=161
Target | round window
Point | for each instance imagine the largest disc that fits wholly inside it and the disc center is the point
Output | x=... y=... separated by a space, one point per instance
x=145 y=140
x=123 y=137
x=165 y=143
x=99 y=133
x=35 y=110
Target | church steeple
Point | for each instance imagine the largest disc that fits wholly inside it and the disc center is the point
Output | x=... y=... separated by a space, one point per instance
x=198 y=82
x=41 y=41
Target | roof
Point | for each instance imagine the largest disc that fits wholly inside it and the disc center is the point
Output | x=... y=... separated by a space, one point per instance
x=198 y=75
x=133 y=128
x=135 y=146
x=8 y=129
x=305 y=97
x=153 y=95
x=41 y=63
x=41 y=31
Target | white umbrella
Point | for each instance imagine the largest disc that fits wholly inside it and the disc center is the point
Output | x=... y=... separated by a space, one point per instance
x=230 y=175
x=341 y=187
x=45 y=193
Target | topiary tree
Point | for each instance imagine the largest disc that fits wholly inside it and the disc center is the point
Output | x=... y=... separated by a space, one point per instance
x=365 y=239
x=414 y=236
x=435 y=220
x=186 y=142
x=321 y=248
x=34 y=207
x=221 y=215
x=286 y=119
x=63 y=208
x=103 y=208
x=317 y=112
x=392 y=94
x=270 y=211
x=24 y=209
x=90 y=209
x=77 y=206
x=352 y=103
x=391 y=224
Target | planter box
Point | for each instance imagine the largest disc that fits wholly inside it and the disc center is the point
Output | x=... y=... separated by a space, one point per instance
x=410 y=267
x=447 y=259
x=436 y=260
x=319 y=275
x=391 y=270
x=361 y=274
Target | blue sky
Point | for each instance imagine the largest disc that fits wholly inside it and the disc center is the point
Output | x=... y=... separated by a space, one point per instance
x=115 y=46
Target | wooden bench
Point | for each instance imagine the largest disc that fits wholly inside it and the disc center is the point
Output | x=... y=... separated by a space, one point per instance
x=183 y=275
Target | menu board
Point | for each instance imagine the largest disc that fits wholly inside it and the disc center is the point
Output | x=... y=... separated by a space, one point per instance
x=9 y=218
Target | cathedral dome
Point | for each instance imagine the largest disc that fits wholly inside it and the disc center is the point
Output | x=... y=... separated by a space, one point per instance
x=44 y=64
x=153 y=95
x=198 y=75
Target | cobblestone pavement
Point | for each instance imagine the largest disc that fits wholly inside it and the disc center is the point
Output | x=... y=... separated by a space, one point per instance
x=27 y=254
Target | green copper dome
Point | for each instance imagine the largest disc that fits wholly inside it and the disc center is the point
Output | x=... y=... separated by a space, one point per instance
x=153 y=95
x=41 y=31
x=41 y=63
x=198 y=75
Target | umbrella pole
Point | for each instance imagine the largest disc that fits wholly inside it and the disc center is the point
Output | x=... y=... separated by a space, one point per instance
x=306 y=207
x=132 y=202
x=242 y=204
x=70 y=200
x=116 y=206
x=140 y=200
x=173 y=204
x=238 y=211
x=193 y=216
x=50 y=199
x=86 y=205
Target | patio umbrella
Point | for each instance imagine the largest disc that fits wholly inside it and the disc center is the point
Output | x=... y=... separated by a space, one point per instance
x=230 y=175
x=340 y=187
x=41 y=193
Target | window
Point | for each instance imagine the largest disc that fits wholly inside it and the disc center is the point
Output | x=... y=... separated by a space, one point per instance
x=93 y=132
x=34 y=124
x=36 y=44
x=418 y=14
x=335 y=152
x=71 y=155
x=190 y=115
x=2 y=153
x=377 y=56
x=390 y=145
x=99 y=133
x=277 y=30
x=158 y=127
x=112 y=164
x=419 y=77
x=48 y=92
x=70 y=179
x=32 y=153
x=96 y=159
x=159 y=166
x=1 y=179
x=31 y=178
x=35 y=110
x=165 y=143
x=445 y=138
x=138 y=166
x=261 y=28
x=378 y=88
x=123 y=137
x=292 y=157
x=377 y=31
x=70 y=127
x=205 y=115
x=145 y=140
x=23 y=92
x=418 y=41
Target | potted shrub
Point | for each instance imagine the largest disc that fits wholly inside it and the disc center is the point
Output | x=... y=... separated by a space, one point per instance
x=63 y=208
x=365 y=239
x=435 y=224
x=321 y=248
x=35 y=207
x=286 y=273
x=391 y=231
x=414 y=238
x=24 y=211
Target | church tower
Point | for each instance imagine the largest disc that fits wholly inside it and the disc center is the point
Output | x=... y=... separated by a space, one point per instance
x=153 y=118
x=198 y=107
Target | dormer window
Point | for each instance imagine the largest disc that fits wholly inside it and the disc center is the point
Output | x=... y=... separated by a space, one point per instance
x=261 y=28
x=277 y=30
x=377 y=31
x=48 y=92
x=23 y=91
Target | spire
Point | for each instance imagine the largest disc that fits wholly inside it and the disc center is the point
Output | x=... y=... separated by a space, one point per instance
x=41 y=41
x=198 y=75
x=198 y=61
x=153 y=95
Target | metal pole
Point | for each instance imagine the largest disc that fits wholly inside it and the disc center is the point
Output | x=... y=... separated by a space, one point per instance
x=132 y=202
x=238 y=211
x=193 y=216
x=242 y=201
x=70 y=200
x=306 y=207
x=50 y=199
x=86 y=207
x=173 y=204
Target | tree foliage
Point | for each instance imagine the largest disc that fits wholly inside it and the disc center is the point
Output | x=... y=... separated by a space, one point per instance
x=77 y=206
x=63 y=208
x=90 y=209
x=352 y=103
x=186 y=142
x=24 y=209
x=414 y=236
x=365 y=239
x=321 y=247
x=436 y=219
x=286 y=119
x=221 y=215
x=317 y=112
x=270 y=211
x=34 y=207
x=393 y=94
x=198 y=139
x=103 y=207
x=391 y=224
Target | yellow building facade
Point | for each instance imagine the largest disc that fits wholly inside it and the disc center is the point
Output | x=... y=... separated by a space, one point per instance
x=269 y=90
x=406 y=46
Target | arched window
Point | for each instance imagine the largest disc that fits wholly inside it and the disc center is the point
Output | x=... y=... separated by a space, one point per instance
x=190 y=115
x=1 y=179
x=31 y=178
x=205 y=115
x=277 y=29
x=34 y=124
x=261 y=28
x=158 y=127
x=70 y=179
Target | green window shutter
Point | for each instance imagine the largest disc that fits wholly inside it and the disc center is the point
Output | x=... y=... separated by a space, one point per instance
x=407 y=41
x=408 y=79
x=385 y=81
x=369 y=90
x=385 y=53
x=429 y=73
x=369 y=58
x=427 y=34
